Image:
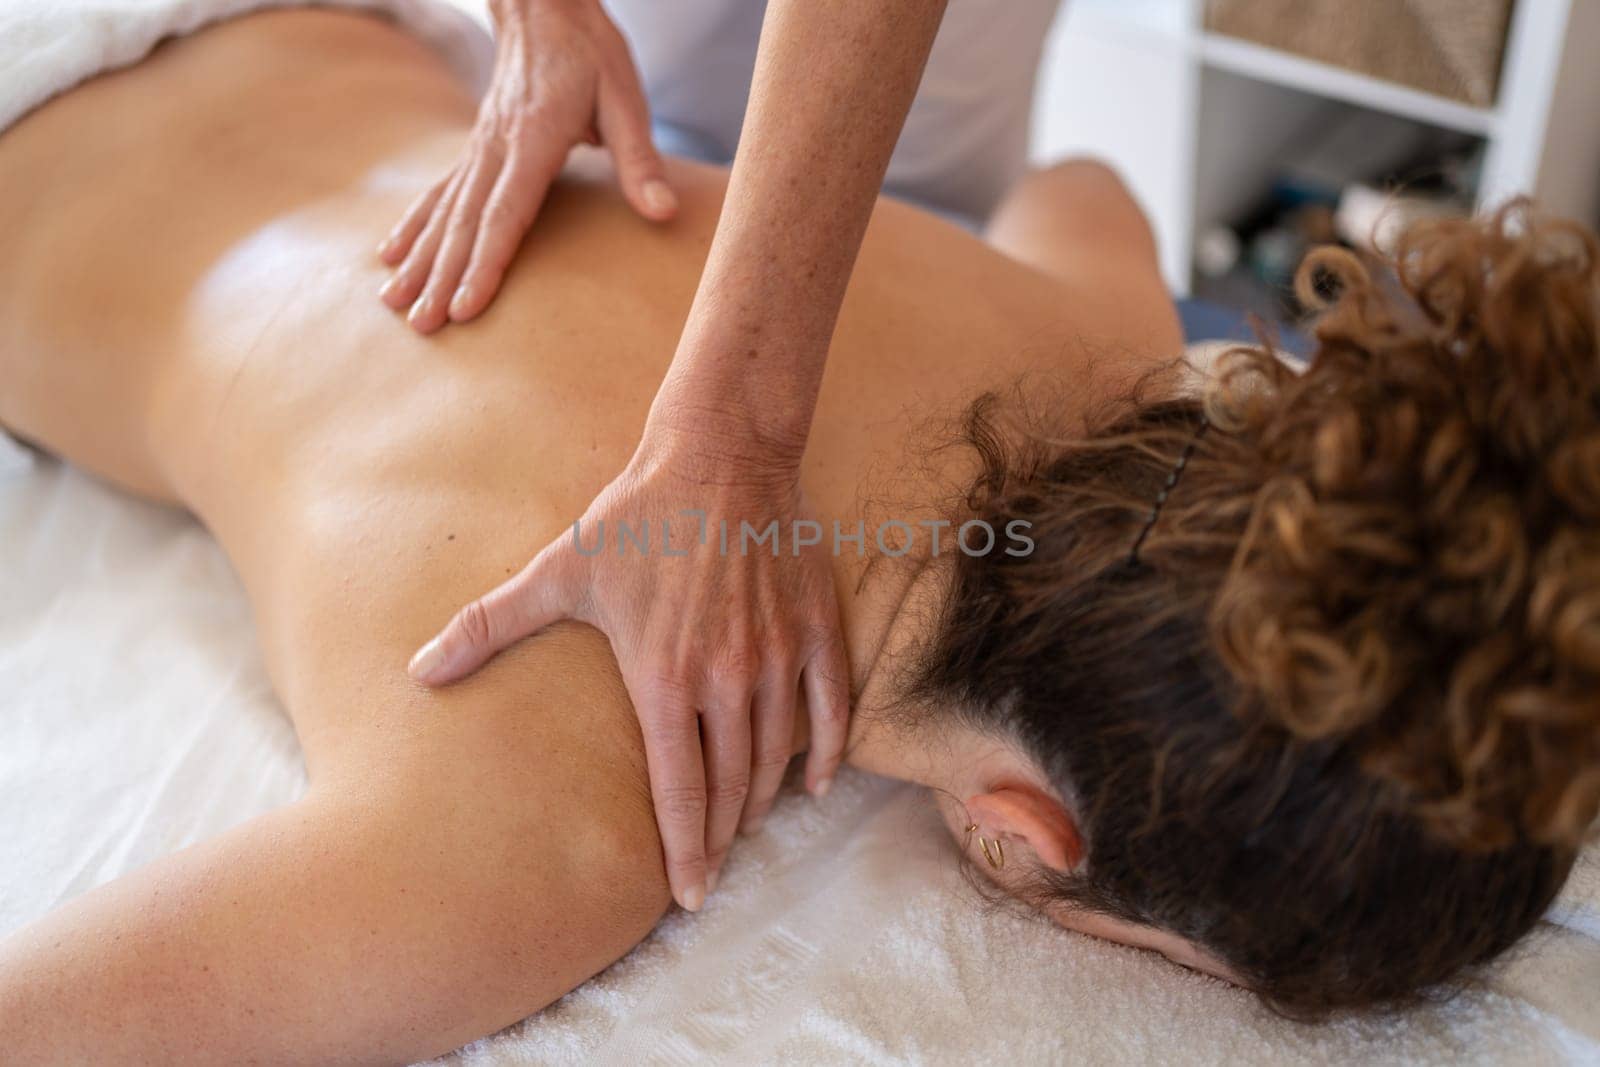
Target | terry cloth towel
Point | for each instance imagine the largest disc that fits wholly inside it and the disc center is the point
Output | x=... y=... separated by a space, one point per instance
x=47 y=48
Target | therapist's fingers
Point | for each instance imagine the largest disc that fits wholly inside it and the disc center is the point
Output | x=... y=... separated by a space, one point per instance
x=672 y=748
x=432 y=309
x=623 y=119
x=409 y=278
x=827 y=685
x=544 y=592
x=771 y=742
x=725 y=729
x=400 y=239
x=513 y=204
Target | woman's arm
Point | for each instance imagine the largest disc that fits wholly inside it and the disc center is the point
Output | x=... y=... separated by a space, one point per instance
x=462 y=859
x=833 y=83
x=715 y=646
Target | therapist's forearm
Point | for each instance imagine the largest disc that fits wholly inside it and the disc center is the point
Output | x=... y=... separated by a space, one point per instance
x=833 y=82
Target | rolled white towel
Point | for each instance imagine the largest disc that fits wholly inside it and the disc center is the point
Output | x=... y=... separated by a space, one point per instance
x=47 y=48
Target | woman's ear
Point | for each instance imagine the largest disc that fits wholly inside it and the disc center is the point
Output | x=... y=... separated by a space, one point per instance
x=1021 y=811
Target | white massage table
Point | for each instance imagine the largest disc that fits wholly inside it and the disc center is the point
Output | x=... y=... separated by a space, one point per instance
x=136 y=718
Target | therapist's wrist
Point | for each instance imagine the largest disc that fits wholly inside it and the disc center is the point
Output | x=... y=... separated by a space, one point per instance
x=745 y=403
x=723 y=440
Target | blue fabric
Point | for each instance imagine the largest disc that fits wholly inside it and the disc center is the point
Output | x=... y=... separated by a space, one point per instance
x=1205 y=321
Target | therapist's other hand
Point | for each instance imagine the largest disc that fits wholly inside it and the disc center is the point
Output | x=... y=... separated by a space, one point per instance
x=714 y=646
x=562 y=75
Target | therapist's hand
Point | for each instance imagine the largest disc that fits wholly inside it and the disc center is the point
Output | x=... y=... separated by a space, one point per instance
x=714 y=647
x=562 y=75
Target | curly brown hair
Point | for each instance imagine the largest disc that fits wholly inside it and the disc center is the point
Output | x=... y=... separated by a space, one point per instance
x=1339 y=720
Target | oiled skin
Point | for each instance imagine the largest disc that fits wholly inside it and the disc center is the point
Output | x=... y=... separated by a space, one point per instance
x=188 y=308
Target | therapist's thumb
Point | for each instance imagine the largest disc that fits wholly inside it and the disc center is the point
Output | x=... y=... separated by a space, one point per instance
x=623 y=120
x=538 y=596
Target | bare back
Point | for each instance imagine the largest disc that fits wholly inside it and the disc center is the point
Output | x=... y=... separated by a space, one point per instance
x=188 y=307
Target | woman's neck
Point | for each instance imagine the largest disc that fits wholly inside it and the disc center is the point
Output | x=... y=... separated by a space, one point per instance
x=897 y=607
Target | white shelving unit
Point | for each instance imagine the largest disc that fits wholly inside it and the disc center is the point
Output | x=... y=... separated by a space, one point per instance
x=1198 y=122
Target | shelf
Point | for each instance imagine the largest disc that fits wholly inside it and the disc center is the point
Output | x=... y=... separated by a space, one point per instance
x=1197 y=119
x=1335 y=83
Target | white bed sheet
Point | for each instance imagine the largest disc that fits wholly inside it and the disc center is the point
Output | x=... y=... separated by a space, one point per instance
x=136 y=718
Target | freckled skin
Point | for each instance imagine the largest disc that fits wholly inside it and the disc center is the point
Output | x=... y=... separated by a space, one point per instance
x=187 y=309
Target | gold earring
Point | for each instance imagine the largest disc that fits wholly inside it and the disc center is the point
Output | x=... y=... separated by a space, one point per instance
x=997 y=859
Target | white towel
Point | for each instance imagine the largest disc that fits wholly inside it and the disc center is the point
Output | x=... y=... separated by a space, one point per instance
x=14 y=458
x=48 y=46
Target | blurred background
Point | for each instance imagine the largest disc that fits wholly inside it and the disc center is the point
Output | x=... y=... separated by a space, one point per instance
x=1250 y=129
